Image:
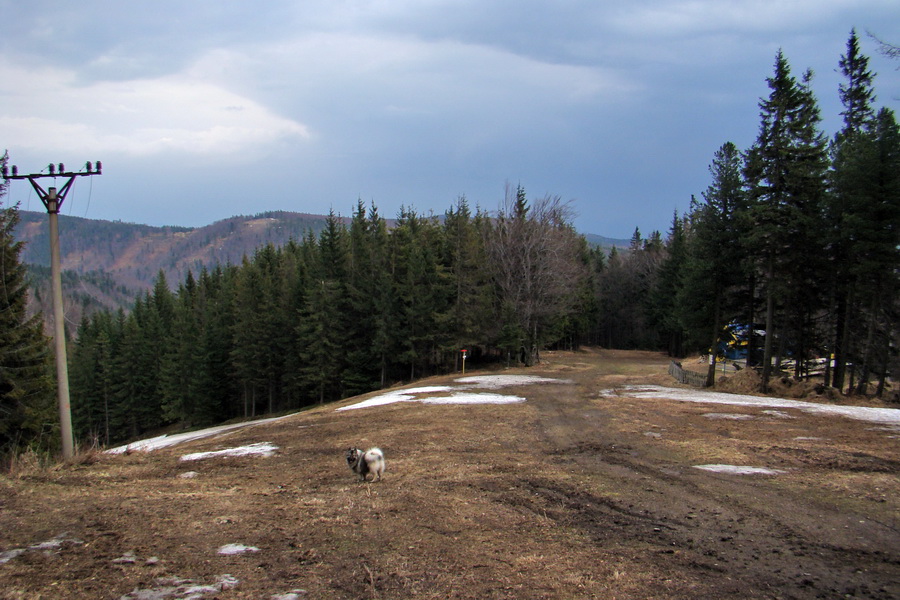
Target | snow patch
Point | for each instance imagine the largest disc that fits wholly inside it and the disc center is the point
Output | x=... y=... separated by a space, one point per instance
x=175 y=587
x=728 y=416
x=463 y=398
x=859 y=413
x=164 y=441
x=229 y=549
x=7 y=556
x=407 y=395
x=259 y=448
x=292 y=595
x=128 y=558
x=493 y=382
x=490 y=382
x=737 y=470
x=779 y=414
x=51 y=544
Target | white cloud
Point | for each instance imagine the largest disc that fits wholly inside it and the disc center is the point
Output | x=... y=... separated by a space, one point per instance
x=435 y=75
x=48 y=109
x=409 y=102
x=685 y=17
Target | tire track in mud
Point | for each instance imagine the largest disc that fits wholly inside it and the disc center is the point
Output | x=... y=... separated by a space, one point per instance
x=748 y=537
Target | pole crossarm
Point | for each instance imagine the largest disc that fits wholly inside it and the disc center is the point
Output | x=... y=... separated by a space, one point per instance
x=51 y=197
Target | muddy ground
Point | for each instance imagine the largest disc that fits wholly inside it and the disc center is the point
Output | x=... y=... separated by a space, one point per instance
x=570 y=494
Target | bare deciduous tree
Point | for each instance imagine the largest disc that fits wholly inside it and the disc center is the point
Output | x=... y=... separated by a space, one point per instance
x=533 y=252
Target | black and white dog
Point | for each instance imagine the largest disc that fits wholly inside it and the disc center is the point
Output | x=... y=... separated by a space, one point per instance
x=363 y=463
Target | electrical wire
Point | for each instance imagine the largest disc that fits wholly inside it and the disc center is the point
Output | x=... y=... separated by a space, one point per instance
x=90 y=193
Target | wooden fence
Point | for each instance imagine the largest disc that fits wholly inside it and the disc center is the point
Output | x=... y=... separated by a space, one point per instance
x=688 y=377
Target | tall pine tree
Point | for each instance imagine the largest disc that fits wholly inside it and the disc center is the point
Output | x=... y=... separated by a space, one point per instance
x=714 y=253
x=785 y=172
x=26 y=391
x=848 y=177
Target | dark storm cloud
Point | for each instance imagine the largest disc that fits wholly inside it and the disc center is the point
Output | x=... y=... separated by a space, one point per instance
x=205 y=109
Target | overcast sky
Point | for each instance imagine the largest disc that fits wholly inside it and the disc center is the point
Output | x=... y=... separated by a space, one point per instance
x=205 y=109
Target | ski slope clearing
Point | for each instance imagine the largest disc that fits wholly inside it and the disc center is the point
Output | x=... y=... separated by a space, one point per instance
x=567 y=494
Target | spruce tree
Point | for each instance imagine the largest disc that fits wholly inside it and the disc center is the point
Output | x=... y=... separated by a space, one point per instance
x=467 y=279
x=848 y=178
x=873 y=213
x=217 y=295
x=368 y=307
x=135 y=371
x=857 y=93
x=713 y=265
x=419 y=290
x=665 y=316
x=785 y=171
x=182 y=377
x=246 y=355
x=26 y=390
x=90 y=377
x=321 y=333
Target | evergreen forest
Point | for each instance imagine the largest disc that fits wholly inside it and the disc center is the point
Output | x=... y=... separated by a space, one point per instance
x=796 y=238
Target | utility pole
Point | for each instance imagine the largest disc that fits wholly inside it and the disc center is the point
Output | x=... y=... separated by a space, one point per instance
x=53 y=200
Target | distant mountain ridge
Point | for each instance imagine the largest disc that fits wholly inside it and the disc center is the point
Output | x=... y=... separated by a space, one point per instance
x=134 y=254
x=108 y=263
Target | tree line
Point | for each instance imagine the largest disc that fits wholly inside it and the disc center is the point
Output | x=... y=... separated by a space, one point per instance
x=796 y=237
x=356 y=308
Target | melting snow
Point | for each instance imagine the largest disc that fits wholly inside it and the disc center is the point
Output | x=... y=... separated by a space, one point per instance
x=50 y=544
x=407 y=395
x=229 y=549
x=736 y=470
x=164 y=441
x=260 y=448
x=728 y=416
x=462 y=398
x=860 y=413
x=491 y=382
x=174 y=587
x=128 y=558
x=778 y=413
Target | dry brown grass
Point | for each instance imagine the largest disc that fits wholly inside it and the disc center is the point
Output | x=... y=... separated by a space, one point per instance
x=562 y=496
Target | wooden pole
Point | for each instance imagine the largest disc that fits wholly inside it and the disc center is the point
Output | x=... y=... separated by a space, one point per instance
x=59 y=328
x=53 y=200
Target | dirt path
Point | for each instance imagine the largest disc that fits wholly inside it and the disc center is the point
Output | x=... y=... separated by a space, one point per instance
x=569 y=494
x=768 y=537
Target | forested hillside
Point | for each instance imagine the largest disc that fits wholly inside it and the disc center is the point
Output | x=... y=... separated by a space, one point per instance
x=796 y=241
x=107 y=264
x=133 y=255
